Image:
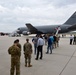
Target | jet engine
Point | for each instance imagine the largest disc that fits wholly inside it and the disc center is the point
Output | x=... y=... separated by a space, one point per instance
x=25 y=33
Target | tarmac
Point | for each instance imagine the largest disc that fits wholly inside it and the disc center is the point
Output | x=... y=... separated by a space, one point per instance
x=61 y=62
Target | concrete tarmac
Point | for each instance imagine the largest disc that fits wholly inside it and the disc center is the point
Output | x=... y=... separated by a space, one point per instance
x=61 y=62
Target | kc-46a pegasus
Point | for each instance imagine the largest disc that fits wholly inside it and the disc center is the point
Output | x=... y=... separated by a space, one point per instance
x=69 y=25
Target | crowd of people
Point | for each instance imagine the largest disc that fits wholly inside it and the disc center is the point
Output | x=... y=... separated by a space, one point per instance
x=50 y=40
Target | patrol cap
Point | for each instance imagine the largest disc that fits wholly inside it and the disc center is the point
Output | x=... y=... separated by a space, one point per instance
x=15 y=41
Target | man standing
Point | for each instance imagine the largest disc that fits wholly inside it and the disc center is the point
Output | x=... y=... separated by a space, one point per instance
x=19 y=45
x=49 y=46
x=40 y=44
x=34 y=40
x=74 y=41
x=27 y=47
x=71 y=39
x=15 y=53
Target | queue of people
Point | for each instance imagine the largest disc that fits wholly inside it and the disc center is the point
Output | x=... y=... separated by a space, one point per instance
x=38 y=41
x=50 y=40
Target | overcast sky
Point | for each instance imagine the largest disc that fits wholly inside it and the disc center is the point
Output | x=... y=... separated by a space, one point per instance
x=16 y=13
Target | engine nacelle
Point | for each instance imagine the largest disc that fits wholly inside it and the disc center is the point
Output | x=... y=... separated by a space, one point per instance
x=25 y=33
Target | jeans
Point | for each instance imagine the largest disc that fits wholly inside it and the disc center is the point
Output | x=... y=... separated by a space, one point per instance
x=35 y=48
x=49 y=47
x=39 y=51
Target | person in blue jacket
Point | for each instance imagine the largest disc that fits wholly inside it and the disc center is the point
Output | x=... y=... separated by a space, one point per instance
x=49 y=46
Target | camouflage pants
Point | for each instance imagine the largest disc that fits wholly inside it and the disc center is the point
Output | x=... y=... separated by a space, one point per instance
x=15 y=65
x=27 y=58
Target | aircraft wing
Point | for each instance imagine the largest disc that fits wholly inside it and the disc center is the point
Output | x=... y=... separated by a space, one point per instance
x=32 y=29
x=73 y=27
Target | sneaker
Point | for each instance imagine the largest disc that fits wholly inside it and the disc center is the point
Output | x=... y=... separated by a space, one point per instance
x=46 y=52
x=36 y=58
x=25 y=65
x=41 y=58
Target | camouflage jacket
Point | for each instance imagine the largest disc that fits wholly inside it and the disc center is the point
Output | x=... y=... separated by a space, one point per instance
x=14 y=51
x=27 y=48
x=19 y=45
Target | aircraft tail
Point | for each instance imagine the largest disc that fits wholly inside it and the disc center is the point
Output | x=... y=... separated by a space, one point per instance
x=71 y=20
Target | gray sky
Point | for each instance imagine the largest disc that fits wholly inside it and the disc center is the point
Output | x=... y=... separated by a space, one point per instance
x=15 y=13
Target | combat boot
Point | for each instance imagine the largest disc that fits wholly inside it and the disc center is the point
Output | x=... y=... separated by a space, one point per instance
x=29 y=65
x=26 y=65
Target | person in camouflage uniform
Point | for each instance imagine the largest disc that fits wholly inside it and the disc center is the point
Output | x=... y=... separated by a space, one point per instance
x=15 y=53
x=19 y=45
x=27 y=47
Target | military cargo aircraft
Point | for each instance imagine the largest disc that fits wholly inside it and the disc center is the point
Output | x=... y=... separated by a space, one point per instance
x=69 y=25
